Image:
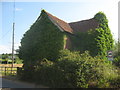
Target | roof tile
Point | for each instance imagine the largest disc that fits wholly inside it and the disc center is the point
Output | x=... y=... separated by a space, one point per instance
x=74 y=27
x=64 y=25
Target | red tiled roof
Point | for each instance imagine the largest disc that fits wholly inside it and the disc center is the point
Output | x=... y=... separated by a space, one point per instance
x=74 y=27
x=83 y=26
x=64 y=25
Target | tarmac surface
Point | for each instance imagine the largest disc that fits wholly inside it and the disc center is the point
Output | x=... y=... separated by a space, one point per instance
x=7 y=83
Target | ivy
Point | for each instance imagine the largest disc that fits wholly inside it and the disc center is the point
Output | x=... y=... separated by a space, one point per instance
x=101 y=17
x=42 y=40
x=103 y=35
x=97 y=41
x=45 y=40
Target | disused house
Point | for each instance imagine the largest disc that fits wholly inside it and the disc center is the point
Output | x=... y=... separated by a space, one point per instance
x=49 y=34
x=72 y=28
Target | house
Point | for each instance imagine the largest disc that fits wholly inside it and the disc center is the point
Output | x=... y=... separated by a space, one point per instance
x=72 y=28
x=49 y=34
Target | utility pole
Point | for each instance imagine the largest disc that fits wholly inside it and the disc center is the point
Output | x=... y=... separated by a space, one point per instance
x=13 y=44
x=13 y=35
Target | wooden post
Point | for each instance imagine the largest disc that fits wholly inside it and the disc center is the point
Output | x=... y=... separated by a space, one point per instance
x=11 y=70
x=5 y=71
x=17 y=71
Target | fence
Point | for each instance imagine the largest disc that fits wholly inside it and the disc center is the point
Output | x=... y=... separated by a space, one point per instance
x=9 y=65
x=8 y=70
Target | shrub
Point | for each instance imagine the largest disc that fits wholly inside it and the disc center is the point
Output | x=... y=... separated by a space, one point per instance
x=75 y=70
x=117 y=54
x=116 y=61
x=19 y=61
x=26 y=73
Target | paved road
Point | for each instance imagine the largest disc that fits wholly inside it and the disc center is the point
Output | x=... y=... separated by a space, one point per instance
x=5 y=83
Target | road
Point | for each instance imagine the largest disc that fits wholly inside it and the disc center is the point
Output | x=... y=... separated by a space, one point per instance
x=5 y=83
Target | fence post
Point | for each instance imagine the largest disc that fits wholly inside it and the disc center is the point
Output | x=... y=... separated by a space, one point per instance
x=5 y=71
x=17 y=71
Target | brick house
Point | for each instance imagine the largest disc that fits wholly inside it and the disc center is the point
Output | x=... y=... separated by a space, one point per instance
x=49 y=34
x=72 y=28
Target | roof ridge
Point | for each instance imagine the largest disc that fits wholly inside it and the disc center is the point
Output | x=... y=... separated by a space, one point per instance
x=62 y=24
x=55 y=16
x=82 y=20
x=73 y=27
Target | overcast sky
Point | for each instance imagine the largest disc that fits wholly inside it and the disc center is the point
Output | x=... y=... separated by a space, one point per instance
x=26 y=13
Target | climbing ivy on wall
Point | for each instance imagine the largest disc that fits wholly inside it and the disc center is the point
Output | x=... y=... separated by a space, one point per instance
x=103 y=38
x=42 y=40
x=97 y=41
x=84 y=41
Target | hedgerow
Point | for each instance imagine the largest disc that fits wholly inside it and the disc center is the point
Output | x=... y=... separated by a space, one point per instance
x=75 y=70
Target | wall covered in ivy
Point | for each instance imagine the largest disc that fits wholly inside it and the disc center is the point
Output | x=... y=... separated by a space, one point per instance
x=45 y=40
x=97 y=41
x=42 y=40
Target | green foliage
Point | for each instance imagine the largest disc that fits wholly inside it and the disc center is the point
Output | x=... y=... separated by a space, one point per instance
x=85 y=41
x=117 y=54
x=7 y=59
x=101 y=17
x=74 y=70
x=26 y=73
x=42 y=40
x=117 y=61
x=4 y=56
x=97 y=41
x=103 y=38
x=45 y=61
x=18 y=60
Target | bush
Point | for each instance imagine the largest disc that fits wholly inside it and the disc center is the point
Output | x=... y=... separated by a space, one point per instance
x=75 y=70
x=116 y=61
x=26 y=73
x=19 y=61
x=116 y=51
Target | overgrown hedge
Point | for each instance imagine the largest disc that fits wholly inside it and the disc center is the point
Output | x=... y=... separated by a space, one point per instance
x=116 y=52
x=75 y=70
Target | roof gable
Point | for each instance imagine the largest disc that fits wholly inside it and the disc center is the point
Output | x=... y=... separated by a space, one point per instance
x=73 y=27
x=61 y=24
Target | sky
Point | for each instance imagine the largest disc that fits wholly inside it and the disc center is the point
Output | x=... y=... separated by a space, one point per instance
x=27 y=12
